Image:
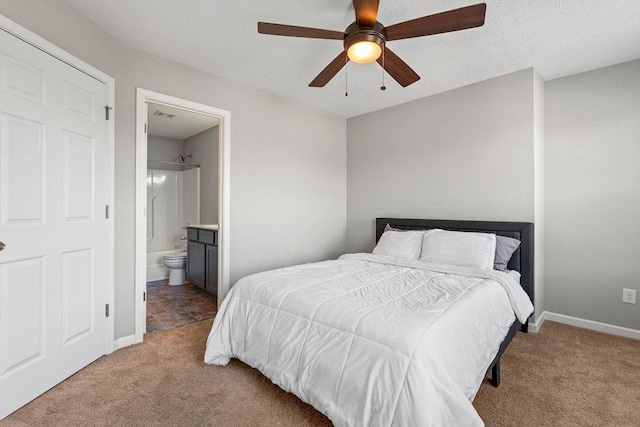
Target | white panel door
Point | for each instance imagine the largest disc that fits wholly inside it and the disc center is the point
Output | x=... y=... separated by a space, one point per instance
x=52 y=221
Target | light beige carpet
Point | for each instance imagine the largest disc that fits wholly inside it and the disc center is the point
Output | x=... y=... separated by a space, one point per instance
x=562 y=376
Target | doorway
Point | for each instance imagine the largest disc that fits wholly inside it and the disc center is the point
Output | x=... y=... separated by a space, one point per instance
x=182 y=192
x=182 y=170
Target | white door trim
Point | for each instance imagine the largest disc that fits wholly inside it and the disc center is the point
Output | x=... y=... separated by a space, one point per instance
x=224 y=208
x=35 y=40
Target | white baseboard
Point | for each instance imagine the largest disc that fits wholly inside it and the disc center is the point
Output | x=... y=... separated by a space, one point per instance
x=124 y=342
x=534 y=327
x=587 y=324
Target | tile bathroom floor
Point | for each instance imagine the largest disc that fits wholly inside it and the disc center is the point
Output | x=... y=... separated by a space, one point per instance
x=171 y=306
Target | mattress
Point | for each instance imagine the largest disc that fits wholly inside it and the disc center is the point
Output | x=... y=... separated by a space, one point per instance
x=371 y=340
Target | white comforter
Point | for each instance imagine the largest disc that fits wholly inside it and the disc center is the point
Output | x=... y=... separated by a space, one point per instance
x=371 y=340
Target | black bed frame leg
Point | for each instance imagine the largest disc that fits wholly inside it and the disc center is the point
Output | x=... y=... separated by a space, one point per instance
x=495 y=374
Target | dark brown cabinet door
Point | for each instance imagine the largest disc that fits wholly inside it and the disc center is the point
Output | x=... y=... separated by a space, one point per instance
x=196 y=264
x=212 y=269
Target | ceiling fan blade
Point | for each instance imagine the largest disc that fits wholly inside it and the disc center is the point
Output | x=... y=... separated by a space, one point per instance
x=330 y=71
x=445 y=22
x=398 y=69
x=294 y=31
x=366 y=11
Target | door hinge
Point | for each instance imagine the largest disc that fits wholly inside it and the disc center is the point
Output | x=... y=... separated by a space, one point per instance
x=107 y=110
x=144 y=296
x=145 y=128
x=106 y=310
x=106 y=212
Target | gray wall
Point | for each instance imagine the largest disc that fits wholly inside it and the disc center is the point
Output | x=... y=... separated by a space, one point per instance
x=203 y=148
x=288 y=201
x=164 y=149
x=593 y=194
x=539 y=192
x=463 y=154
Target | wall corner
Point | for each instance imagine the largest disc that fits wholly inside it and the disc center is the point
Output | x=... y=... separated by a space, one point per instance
x=539 y=191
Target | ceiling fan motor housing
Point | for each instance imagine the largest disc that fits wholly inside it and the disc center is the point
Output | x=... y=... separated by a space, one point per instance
x=358 y=33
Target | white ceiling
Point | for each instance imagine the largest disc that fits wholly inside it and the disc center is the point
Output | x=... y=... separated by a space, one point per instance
x=556 y=37
x=177 y=123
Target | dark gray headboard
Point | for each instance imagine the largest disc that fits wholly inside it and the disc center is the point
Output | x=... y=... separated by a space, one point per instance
x=522 y=259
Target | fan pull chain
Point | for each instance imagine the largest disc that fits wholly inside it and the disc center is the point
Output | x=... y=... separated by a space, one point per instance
x=383 y=87
x=346 y=76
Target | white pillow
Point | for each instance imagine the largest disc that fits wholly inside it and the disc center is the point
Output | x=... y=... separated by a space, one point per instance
x=459 y=248
x=400 y=244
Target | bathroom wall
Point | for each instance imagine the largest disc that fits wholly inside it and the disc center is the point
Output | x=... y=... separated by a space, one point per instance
x=163 y=148
x=203 y=148
x=191 y=197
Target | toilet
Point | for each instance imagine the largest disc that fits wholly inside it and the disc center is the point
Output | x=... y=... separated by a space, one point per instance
x=176 y=265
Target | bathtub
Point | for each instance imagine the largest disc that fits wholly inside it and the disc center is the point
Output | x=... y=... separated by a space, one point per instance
x=155 y=267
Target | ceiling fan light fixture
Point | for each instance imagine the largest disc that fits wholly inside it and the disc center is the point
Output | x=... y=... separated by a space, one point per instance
x=364 y=52
x=364 y=47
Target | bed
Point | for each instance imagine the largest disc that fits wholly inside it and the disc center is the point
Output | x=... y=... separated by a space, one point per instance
x=371 y=339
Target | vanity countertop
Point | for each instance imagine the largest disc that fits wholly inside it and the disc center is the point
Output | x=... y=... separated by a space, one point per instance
x=203 y=226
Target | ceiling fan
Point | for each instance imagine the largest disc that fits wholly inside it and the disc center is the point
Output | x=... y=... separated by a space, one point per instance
x=365 y=40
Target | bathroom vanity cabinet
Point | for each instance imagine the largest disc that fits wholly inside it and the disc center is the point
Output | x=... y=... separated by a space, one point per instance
x=202 y=258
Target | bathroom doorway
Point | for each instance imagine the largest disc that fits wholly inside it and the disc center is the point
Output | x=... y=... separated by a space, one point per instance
x=181 y=165
x=182 y=191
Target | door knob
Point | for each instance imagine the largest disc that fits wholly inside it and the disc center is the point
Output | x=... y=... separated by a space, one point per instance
x=1 y=246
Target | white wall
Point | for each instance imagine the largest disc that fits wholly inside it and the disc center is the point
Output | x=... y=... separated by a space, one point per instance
x=593 y=194
x=288 y=165
x=164 y=149
x=203 y=148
